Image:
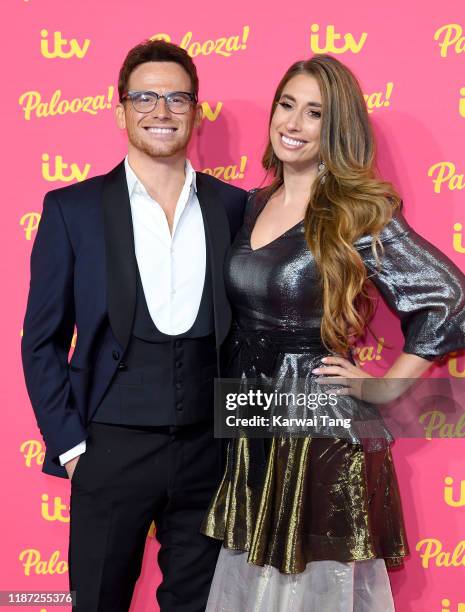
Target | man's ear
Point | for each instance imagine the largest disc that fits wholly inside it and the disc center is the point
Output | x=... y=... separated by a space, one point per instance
x=120 y=116
x=198 y=115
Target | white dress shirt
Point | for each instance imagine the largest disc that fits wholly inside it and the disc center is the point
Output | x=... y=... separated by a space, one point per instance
x=171 y=264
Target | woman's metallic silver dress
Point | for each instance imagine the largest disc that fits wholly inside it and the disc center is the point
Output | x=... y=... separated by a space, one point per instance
x=288 y=502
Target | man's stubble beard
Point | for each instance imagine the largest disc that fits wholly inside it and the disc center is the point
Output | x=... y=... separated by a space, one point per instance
x=156 y=151
x=163 y=151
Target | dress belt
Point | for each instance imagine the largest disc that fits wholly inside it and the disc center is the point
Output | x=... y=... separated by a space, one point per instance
x=303 y=339
x=258 y=348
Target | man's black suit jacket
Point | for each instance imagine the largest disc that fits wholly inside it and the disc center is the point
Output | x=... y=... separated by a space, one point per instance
x=83 y=275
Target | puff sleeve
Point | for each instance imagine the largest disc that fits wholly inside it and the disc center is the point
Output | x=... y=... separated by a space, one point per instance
x=422 y=285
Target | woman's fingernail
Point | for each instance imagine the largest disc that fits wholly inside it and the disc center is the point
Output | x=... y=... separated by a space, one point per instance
x=316 y=370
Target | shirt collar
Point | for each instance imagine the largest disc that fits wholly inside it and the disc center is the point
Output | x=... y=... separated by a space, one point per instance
x=134 y=182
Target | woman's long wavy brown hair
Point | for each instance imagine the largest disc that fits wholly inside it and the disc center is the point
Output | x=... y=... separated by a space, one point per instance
x=347 y=199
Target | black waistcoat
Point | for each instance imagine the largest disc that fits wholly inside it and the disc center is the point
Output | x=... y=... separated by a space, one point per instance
x=163 y=379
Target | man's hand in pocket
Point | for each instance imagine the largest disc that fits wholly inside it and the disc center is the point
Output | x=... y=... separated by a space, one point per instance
x=70 y=466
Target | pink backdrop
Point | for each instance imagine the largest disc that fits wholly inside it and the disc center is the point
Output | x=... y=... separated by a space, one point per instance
x=58 y=127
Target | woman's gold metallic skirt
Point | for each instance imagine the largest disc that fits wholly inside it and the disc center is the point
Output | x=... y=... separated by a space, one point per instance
x=310 y=499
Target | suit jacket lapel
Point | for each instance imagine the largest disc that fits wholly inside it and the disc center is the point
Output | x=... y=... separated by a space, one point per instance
x=218 y=235
x=120 y=254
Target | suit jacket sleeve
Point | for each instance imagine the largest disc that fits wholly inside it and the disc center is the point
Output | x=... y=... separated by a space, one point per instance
x=48 y=330
x=423 y=286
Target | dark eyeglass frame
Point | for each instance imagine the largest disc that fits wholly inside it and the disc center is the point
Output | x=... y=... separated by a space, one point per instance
x=130 y=95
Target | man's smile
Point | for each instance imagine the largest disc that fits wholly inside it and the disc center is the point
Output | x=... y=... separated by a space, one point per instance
x=160 y=130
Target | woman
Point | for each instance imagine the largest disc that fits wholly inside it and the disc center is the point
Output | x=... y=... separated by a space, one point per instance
x=310 y=523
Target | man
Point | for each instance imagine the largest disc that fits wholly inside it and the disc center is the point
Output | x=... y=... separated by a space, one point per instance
x=134 y=260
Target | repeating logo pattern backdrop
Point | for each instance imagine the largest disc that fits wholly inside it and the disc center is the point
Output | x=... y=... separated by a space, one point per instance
x=59 y=92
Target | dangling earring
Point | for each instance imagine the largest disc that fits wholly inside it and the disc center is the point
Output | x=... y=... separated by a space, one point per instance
x=321 y=170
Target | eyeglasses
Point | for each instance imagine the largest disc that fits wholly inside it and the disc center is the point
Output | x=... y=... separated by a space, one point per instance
x=178 y=102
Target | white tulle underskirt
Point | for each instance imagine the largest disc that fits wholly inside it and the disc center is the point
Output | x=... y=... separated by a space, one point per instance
x=324 y=586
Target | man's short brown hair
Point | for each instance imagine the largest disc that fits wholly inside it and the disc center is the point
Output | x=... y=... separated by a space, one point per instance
x=156 y=51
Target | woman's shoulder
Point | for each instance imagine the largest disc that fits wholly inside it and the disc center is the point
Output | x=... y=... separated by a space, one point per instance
x=253 y=194
x=255 y=201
